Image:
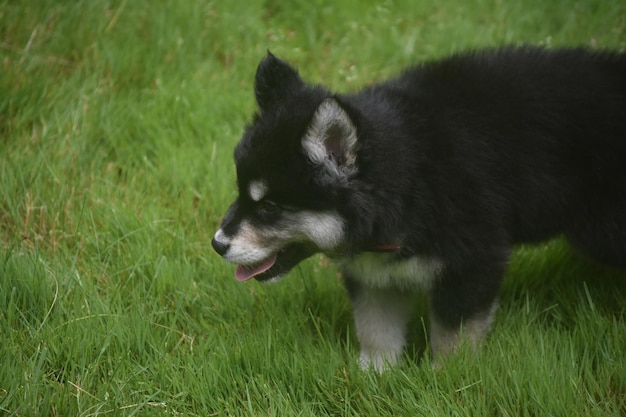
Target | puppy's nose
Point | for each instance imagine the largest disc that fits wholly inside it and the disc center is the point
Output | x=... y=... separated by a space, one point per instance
x=220 y=247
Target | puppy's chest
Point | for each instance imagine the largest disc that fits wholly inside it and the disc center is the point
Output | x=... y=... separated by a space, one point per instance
x=383 y=270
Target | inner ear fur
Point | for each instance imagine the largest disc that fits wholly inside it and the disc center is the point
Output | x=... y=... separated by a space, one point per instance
x=331 y=139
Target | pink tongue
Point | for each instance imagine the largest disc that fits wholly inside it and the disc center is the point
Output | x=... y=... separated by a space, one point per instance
x=245 y=272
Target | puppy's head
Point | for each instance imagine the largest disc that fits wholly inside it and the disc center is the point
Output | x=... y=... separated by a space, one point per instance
x=294 y=164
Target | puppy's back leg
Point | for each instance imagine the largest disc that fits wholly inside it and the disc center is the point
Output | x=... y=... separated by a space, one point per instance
x=600 y=231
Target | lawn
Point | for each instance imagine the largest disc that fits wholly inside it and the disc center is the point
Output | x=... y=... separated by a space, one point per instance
x=117 y=125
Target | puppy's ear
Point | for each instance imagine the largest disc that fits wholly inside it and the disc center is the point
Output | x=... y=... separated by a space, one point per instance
x=331 y=139
x=275 y=80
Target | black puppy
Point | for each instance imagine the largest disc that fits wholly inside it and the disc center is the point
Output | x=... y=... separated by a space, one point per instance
x=426 y=181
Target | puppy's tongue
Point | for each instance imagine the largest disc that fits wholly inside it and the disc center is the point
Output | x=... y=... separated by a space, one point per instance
x=245 y=272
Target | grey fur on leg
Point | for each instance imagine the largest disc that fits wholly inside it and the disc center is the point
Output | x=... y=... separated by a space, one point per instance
x=381 y=317
x=445 y=340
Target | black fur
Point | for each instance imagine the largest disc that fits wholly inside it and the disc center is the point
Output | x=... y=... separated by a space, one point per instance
x=459 y=159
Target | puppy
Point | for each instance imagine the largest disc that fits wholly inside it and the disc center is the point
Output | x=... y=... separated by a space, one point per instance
x=425 y=182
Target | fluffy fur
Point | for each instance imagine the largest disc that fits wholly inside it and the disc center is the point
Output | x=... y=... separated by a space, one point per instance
x=425 y=182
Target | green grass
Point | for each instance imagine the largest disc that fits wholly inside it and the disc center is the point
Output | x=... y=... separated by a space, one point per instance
x=117 y=124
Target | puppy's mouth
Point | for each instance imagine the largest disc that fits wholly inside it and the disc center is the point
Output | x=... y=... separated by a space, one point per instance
x=277 y=265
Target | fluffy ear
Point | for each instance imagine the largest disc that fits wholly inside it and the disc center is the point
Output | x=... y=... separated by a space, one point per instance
x=275 y=79
x=331 y=139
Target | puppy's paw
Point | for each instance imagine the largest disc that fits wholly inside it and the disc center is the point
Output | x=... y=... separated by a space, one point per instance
x=380 y=362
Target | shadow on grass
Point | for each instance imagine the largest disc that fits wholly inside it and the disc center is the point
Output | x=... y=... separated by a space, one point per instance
x=555 y=277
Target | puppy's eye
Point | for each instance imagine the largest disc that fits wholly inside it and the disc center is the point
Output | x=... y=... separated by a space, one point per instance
x=268 y=207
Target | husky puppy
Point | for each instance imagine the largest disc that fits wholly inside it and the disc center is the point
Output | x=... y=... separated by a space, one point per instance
x=426 y=181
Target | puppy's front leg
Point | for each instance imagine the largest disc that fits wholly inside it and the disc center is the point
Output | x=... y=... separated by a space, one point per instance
x=381 y=317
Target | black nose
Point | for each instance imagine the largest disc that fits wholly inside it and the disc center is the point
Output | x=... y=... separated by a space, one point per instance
x=219 y=247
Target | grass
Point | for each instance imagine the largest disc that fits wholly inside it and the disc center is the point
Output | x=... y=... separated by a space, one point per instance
x=117 y=124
